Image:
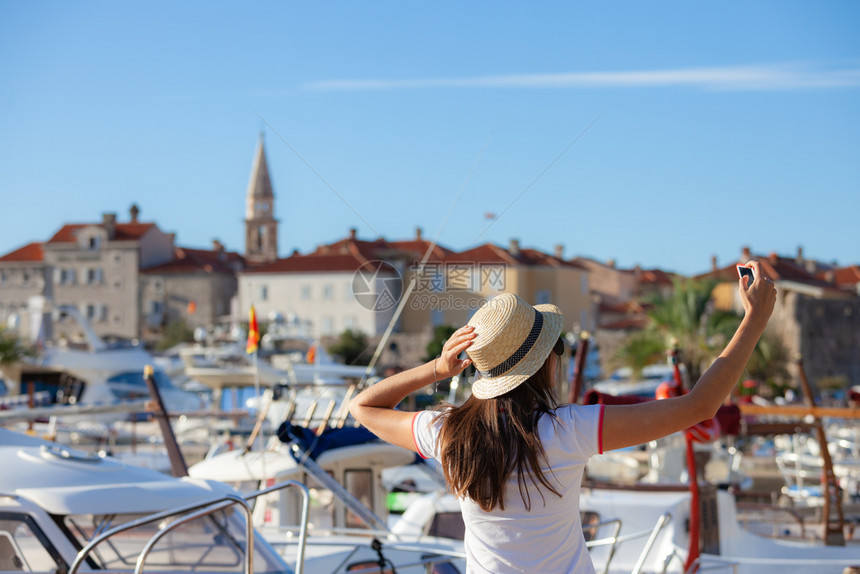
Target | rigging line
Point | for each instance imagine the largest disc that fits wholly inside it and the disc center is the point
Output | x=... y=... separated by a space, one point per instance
x=546 y=169
x=408 y=291
x=315 y=172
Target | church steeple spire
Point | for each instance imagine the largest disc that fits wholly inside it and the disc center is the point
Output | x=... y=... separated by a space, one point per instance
x=261 y=227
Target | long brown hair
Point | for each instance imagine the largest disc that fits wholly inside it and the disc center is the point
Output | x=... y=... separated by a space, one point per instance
x=483 y=441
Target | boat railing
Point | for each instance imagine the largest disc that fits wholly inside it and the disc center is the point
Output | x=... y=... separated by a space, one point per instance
x=661 y=523
x=222 y=505
x=429 y=554
x=610 y=541
x=230 y=499
x=303 y=523
x=190 y=512
x=615 y=539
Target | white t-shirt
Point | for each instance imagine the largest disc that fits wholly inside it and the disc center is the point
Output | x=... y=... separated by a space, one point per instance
x=548 y=538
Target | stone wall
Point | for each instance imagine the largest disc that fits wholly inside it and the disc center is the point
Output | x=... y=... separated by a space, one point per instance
x=829 y=337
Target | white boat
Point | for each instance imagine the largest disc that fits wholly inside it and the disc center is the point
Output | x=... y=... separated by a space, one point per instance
x=621 y=382
x=344 y=469
x=63 y=510
x=92 y=372
x=651 y=530
x=56 y=501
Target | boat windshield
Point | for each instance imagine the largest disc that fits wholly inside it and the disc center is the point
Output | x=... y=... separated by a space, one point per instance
x=23 y=546
x=212 y=543
x=135 y=378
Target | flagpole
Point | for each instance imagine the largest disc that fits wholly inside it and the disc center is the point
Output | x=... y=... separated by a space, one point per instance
x=253 y=346
x=259 y=398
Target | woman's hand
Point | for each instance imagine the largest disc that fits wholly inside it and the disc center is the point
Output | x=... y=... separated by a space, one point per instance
x=759 y=298
x=448 y=364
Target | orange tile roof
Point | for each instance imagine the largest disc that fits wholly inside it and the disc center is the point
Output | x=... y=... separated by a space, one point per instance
x=842 y=276
x=417 y=248
x=656 y=276
x=316 y=263
x=491 y=253
x=122 y=231
x=367 y=250
x=30 y=252
x=486 y=253
x=776 y=267
x=189 y=260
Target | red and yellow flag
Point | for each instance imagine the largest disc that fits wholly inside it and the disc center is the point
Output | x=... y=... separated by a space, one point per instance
x=253 y=333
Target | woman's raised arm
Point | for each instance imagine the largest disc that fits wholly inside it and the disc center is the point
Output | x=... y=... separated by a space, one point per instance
x=374 y=406
x=628 y=425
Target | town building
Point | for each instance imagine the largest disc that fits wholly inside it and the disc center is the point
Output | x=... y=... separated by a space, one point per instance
x=195 y=288
x=358 y=284
x=339 y=286
x=91 y=266
x=622 y=297
x=816 y=318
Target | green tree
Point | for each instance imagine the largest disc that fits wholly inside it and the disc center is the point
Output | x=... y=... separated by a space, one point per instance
x=175 y=332
x=685 y=318
x=441 y=333
x=769 y=361
x=11 y=348
x=640 y=350
x=351 y=346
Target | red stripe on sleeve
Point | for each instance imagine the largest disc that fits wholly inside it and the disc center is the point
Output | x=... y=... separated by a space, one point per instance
x=600 y=431
x=414 y=441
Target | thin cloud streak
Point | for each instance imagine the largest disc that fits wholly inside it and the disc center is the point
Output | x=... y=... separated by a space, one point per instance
x=732 y=78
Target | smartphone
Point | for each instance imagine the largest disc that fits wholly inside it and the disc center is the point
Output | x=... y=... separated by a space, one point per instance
x=744 y=270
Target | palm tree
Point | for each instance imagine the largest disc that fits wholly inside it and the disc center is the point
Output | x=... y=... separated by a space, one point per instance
x=685 y=318
x=769 y=361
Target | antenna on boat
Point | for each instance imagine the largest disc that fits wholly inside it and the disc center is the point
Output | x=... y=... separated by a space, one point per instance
x=178 y=467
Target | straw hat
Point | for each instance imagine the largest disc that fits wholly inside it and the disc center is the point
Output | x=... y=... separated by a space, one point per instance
x=513 y=341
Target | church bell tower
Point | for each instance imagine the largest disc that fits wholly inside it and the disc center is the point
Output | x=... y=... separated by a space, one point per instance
x=261 y=227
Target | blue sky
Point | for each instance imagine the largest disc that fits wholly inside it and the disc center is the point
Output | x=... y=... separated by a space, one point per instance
x=656 y=133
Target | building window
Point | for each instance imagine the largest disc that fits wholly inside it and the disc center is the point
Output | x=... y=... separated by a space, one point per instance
x=347 y=292
x=95 y=242
x=264 y=293
x=91 y=311
x=117 y=284
x=65 y=276
x=117 y=258
x=584 y=284
x=349 y=322
x=328 y=292
x=94 y=276
x=306 y=292
x=327 y=326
